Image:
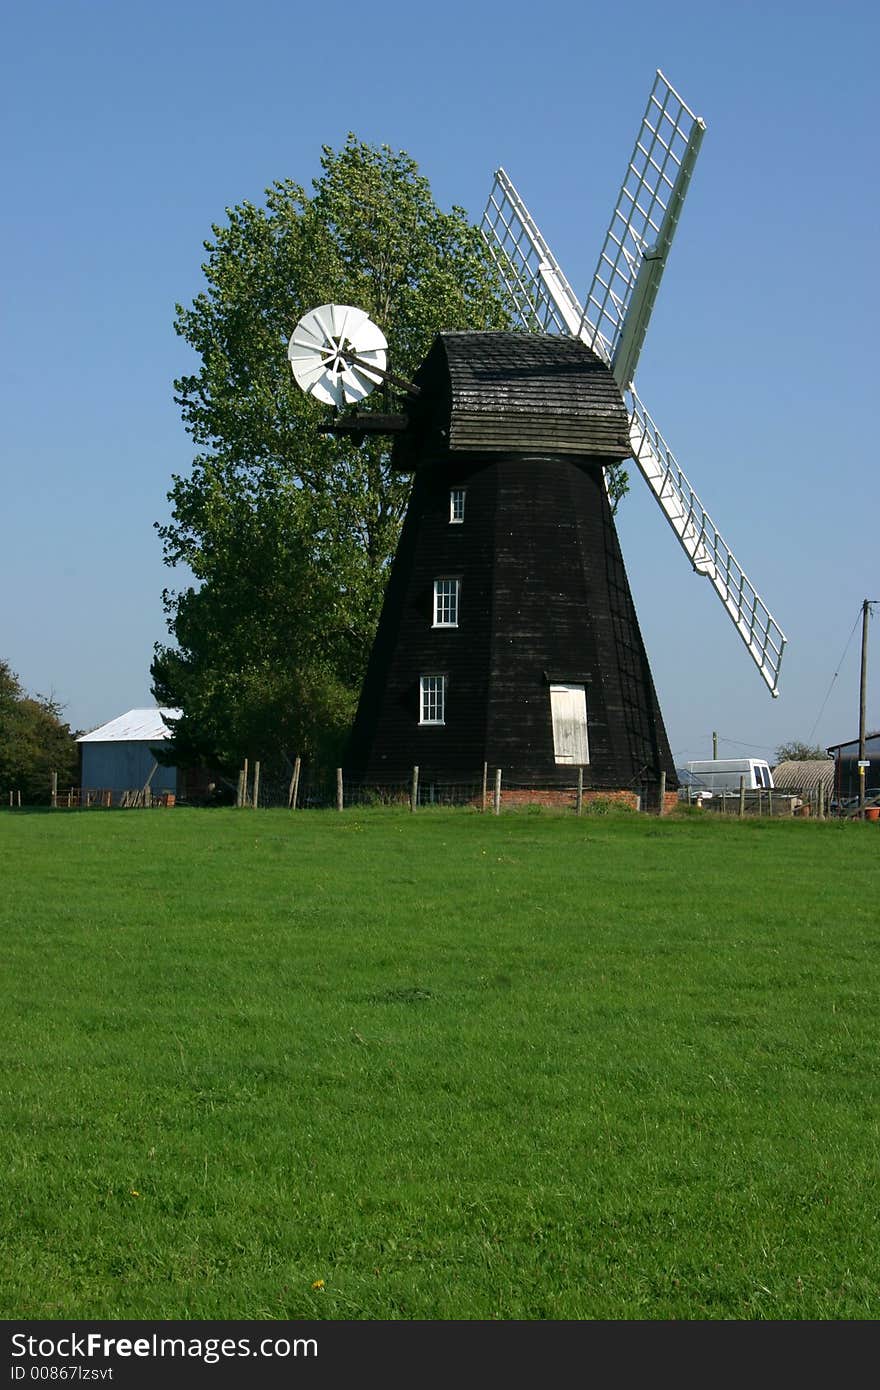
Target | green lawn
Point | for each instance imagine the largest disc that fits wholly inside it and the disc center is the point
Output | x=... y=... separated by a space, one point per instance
x=454 y=1066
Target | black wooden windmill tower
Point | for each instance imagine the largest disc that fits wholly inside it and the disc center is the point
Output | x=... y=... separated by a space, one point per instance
x=508 y=635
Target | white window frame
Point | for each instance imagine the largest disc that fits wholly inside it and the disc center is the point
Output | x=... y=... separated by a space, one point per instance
x=457 y=497
x=432 y=699
x=571 y=744
x=447 y=601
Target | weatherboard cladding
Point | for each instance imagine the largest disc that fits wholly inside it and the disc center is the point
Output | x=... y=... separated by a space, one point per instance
x=543 y=597
x=513 y=392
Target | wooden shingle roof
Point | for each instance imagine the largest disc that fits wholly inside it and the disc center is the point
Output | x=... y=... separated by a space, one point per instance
x=522 y=393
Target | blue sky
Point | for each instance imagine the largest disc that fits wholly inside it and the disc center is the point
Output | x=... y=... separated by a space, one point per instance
x=127 y=132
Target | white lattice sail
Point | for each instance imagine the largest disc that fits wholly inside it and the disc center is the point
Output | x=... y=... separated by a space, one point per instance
x=640 y=233
x=544 y=300
x=613 y=323
x=704 y=544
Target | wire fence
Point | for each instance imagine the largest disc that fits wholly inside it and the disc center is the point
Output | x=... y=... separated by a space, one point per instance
x=490 y=791
x=325 y=793
x=486 y=791
x=812 y=801
x=303 y=789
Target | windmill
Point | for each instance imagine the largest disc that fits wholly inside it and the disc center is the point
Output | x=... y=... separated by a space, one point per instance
x=508 y=634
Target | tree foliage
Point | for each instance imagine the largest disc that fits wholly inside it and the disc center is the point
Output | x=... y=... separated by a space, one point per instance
x=34 y=741
x=797 y=752
x=288 y=533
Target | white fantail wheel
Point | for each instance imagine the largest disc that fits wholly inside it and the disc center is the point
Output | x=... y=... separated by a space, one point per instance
x=337 y=354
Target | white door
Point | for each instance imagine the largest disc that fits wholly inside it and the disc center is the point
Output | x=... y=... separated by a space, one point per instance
x=568 y=706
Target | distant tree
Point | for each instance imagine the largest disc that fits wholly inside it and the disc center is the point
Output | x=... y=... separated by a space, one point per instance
x=798 y=752
x=267 y=656
x=34 y=741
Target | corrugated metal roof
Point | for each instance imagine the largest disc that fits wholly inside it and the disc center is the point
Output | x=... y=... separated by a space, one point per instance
x=806 y=775
x=135 y=726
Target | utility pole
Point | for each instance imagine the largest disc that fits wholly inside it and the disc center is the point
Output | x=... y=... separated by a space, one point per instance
x=863 y=699
x=714 y=744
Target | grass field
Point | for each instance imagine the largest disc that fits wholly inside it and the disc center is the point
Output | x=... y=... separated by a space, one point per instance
x=372 y=1065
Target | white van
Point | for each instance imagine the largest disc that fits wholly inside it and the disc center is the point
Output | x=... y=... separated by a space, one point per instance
x=719 y=775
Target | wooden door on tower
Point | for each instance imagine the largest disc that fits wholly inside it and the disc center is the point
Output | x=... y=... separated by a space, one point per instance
x=568 y=707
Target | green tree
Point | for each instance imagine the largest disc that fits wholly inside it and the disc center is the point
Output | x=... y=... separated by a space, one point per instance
x=288 y=533
x=797 y=752
x=34 y=741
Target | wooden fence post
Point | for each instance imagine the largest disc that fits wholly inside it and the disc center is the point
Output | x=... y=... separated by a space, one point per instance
x=294 y=786
x=256 y=800
x=661 y=809
x=414 y=794
x=820 y=801
x=497 y=805
x=742 y=797
x=769 y=801
x=485 y=777
x=579 y=803
x=339 y=801
x=54 y=791
x=147 y=794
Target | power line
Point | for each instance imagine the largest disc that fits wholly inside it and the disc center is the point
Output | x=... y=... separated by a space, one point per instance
x=836 y=674
x=736 y=742
x=740 y=743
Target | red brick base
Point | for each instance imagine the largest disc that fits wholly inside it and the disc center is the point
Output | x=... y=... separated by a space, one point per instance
x=512 y=797
x=566 y=800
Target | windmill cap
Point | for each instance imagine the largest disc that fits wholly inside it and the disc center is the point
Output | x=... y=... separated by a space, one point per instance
x=509 y=392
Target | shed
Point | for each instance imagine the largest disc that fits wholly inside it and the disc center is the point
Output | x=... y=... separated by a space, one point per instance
x=120 y=756
x=846 y=758
x=806 y=775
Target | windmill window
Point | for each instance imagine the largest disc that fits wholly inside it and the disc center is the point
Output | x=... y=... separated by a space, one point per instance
x=568 y=707
x=432 y=700
x=446 y=592
x=456 y=505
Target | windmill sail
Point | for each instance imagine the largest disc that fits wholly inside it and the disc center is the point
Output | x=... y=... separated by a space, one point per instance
x=633 y=256
x=544 y=300
x=613 y=324
x=704 y=545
